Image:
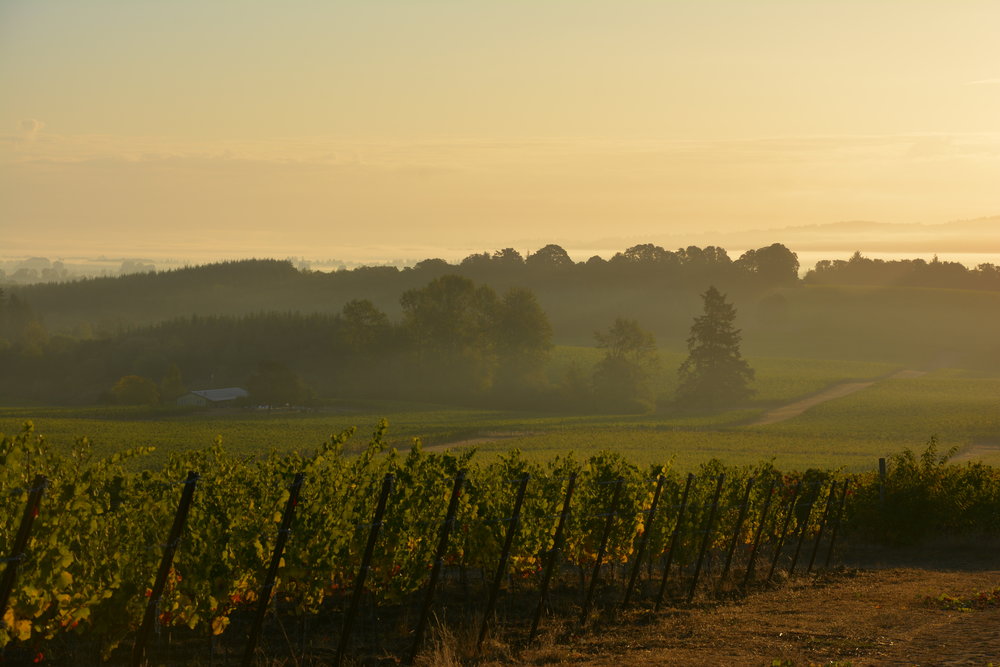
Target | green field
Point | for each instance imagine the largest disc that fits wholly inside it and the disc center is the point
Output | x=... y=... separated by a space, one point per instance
x=960 y=408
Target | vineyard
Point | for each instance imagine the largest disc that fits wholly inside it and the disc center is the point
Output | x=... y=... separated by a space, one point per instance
x=224 y=557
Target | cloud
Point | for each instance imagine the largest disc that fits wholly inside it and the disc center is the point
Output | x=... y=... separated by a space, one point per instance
x=30 y=127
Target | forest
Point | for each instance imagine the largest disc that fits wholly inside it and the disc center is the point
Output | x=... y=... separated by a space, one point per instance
x=479 y=332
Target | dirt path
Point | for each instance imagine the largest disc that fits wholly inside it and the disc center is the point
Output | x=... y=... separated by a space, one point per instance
x=471 y=442
x=977 y=451
x=874 y=617
x=837 y=391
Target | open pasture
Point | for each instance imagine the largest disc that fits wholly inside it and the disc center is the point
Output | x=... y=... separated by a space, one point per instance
x=960 y=408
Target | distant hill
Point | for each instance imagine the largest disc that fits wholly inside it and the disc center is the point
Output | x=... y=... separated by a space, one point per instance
x=981 y=235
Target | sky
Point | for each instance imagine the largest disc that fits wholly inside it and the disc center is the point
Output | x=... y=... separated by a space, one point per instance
x=213 y=128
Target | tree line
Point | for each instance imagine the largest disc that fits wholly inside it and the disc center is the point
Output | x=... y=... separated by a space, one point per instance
x=455 y=339
x=456 y=342
x=861 y=270
x=104 y=305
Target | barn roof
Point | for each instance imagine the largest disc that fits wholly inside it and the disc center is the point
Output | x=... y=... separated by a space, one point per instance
x=216 y=395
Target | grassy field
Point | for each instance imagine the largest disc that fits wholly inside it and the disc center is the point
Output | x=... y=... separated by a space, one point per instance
x=960 y=408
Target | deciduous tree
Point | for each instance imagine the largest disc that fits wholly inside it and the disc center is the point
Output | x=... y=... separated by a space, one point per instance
x=623 y=378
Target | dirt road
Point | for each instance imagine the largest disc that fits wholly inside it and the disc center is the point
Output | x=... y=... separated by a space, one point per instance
x=837 y=391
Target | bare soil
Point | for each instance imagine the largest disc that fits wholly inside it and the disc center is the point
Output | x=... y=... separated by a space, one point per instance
x=877 y=615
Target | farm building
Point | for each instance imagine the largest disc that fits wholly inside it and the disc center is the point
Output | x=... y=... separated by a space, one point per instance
x=212 y=397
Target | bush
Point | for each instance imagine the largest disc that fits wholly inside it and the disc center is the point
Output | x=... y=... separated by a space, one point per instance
x=925 y=495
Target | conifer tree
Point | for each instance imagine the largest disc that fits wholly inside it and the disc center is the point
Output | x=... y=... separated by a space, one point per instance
x=714 y=373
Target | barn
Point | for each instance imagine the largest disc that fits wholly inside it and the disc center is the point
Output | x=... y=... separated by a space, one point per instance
x=213 y=397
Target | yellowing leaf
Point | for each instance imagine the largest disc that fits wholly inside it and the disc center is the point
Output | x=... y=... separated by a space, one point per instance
x=65 y=578
x=219 y=624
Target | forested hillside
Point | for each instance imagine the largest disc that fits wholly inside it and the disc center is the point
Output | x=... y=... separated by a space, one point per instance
x=478 y=332
x=238 y=288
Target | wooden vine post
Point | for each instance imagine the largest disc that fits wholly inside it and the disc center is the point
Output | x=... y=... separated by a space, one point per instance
x=752 y=560
x=512 y=526
x=284 y=531
x=166 y=560
x=20 y=545
x=602 y=549
x=709 y=526
x=784 y=530
x=744 y=507
x=673 y=541
x=822 y=525
x=442 y=548
x=366 y=560
x=557 y=542
x=643 y=541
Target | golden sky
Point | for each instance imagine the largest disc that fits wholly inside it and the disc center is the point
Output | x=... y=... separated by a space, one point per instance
x=266 y=128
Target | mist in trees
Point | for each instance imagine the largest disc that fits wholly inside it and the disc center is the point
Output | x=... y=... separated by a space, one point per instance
x=623 y=378
x=275 y=384
x=135 y=390
x=464 y=338
x=479 y=331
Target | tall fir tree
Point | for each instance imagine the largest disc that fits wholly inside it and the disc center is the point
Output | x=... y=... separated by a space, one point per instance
x=715 y=372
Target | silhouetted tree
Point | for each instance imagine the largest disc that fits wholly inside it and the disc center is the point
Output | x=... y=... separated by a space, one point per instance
x=549 y=257
x=508 y=258
x=714 y=372
x=772 y=265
